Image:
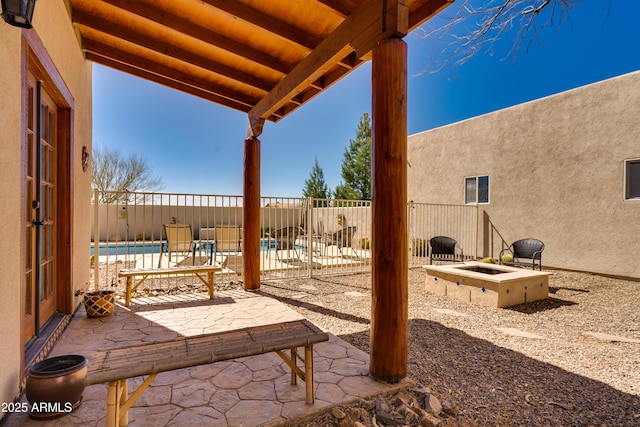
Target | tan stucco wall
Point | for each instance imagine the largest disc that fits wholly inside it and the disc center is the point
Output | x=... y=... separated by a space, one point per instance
x=10 y=183
x=51 y=23
x=556 y=173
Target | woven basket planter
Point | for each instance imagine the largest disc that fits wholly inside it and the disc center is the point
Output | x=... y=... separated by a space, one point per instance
x=99 y=303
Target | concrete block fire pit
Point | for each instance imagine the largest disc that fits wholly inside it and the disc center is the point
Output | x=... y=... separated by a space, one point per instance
x=487 y=284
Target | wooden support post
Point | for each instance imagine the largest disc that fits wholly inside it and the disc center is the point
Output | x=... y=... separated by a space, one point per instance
x=251 y=214
x=389 y=305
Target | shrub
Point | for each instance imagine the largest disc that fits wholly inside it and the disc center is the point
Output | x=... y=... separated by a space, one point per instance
x=142 y=236
x=506 y=258
x=364 y=243
x=490 y=260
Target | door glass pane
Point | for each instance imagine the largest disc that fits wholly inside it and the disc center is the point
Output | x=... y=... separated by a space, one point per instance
x=30 y=111
x=42 y=281
x=48 y=241
x=49 y=283
x=28 y=304
x=29 y=263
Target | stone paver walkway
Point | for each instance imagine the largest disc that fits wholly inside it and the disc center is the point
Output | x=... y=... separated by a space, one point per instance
x=250 y=391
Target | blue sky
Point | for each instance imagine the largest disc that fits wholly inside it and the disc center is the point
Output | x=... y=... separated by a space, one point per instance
x=196 y=146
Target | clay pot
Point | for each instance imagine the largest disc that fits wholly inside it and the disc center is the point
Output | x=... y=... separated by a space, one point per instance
x=99 y=303
x=54 y=386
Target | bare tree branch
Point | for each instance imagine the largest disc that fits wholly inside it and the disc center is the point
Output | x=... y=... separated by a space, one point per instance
x=111 y=171
x=476 y=26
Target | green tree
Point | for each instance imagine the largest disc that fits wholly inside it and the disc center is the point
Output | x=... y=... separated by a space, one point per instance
x=315 y=186
x=356 y=165
x=111 y=172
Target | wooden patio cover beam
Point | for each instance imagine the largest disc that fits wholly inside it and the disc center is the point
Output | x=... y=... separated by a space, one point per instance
x=165 y=81
x=202 y=33
x=162 y=42
x=370 y=23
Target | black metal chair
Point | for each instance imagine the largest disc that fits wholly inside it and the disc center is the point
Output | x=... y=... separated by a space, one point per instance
x=530 y=249
x=342 y=238
x=443 y=248
x=284 y=239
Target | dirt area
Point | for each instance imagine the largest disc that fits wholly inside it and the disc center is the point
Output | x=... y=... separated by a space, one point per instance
x=570 y=360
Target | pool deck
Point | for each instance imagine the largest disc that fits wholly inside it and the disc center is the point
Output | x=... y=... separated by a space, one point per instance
x=231 y=262
x=248 y=391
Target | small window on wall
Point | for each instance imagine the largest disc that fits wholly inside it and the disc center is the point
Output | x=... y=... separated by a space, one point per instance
x=476 y=189
x=632 y=179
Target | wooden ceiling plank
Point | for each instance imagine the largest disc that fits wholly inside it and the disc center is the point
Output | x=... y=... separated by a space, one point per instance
x=201 y=33
x=372 y=21
x=340 y=7
x=266 y=22
x=428 y=9
x=133 y=35
x=138 y=60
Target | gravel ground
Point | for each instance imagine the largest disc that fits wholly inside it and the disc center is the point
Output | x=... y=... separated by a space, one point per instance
x=457 y=352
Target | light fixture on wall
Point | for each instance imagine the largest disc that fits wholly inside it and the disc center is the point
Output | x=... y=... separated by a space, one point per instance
x=18 y=12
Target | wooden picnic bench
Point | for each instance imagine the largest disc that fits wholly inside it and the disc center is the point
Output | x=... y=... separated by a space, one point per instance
x=115 y=366
x=198 y=271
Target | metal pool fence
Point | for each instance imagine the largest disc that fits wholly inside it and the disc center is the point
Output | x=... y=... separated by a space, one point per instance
x=300 y=237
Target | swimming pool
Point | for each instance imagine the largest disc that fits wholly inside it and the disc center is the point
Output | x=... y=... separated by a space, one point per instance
x=126 y=248
x=141 y=248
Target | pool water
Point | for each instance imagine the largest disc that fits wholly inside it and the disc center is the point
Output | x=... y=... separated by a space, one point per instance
x=142 y=248
x=127 y=249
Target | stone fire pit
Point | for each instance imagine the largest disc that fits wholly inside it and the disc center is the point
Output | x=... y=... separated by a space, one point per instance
x=487 y=284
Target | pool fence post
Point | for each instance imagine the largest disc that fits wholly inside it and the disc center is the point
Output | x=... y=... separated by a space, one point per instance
x=96 y=243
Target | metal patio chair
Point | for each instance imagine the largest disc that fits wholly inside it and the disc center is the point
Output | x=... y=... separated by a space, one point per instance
x=228 y=238
x=284 y=239
x=342 y=238
x=179 y=240
x=443 y=248
x=530 y=249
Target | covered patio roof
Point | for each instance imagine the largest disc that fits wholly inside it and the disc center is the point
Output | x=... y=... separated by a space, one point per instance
x=267 y=58
x=262 y=57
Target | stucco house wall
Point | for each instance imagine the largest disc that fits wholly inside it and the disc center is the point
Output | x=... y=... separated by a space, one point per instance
x=556 y=172
x=53 y=28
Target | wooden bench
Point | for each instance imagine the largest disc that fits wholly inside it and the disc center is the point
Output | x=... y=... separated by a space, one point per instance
x=187 y=270
x=115 y=366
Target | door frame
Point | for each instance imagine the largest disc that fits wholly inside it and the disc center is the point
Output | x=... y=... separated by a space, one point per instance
x=36 y=60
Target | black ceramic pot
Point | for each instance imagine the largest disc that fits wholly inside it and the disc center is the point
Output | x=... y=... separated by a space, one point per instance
x=54 y=386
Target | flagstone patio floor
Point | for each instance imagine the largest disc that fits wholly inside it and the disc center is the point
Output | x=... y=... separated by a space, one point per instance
x=249 y=391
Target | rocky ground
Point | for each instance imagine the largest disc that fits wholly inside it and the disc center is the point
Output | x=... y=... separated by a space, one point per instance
x=571 y=360
x=533 y=364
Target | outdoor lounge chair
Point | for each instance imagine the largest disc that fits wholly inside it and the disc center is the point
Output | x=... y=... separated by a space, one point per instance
x=443 y=248
x=284 y=239
x=228 y=238
x=530 y=249
x=179 y=240
x=342 y=239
